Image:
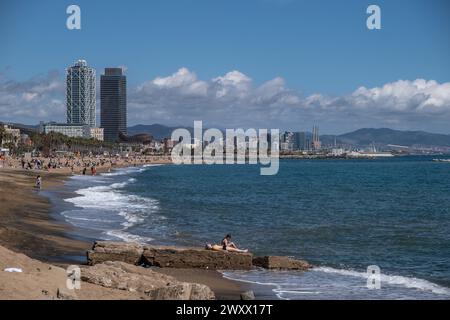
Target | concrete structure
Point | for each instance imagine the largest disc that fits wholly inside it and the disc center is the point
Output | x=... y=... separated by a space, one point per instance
x=80 y=94
x=113 y=99
x=168 y=257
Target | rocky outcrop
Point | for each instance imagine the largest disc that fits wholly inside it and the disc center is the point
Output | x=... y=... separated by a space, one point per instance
x=66 y=294
x=168 y=257
x=154 y=285
x=248 y=295
x=280 y=263
x=182 y=291
x=114 y=251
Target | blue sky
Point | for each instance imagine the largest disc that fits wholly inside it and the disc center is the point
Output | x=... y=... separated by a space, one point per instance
x=316 y=47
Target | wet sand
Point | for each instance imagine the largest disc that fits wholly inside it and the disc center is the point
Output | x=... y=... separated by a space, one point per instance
x=224 y=289
x=25 y=222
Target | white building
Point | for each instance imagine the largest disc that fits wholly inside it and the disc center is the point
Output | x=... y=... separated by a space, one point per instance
x=14 y=135
x=70 y=130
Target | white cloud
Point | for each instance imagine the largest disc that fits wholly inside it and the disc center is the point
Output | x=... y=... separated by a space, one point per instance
x=233 y=100
x=183 y=82
x=234 y=84
x=31 y=100
x=418 y=95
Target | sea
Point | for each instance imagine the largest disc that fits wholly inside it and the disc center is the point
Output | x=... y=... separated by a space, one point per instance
x=342 y=216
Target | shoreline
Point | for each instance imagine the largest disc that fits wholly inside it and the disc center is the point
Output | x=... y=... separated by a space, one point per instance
x=28 y=227
x=26 y=224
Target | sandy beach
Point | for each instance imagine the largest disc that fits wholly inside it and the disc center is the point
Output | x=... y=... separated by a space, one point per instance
x=39 y=242
x=25 y=223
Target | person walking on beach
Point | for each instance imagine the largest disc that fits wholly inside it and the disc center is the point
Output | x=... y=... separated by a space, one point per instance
x=38 y=182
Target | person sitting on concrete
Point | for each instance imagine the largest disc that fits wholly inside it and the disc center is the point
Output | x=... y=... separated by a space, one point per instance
x=226 y=245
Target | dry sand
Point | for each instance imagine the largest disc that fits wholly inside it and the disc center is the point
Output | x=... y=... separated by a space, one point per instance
x=41 y=281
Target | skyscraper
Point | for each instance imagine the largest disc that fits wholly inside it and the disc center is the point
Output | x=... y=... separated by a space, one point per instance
x=113 y=99
x=80 y=94
x=300 y=141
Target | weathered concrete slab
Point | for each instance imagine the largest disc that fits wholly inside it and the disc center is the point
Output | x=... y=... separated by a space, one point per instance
x=171 y=257
x=280 y=263
x=103 y=251
x=168 y=257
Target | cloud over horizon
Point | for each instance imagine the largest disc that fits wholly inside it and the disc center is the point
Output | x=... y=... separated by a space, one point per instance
x=233 y=100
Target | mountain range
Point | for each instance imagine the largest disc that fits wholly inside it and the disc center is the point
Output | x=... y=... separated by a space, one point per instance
x=385 y=136
x=360 y=137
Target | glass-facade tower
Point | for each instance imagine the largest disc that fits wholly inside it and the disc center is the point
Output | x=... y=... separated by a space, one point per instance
x=113 y=104
x=80 y=94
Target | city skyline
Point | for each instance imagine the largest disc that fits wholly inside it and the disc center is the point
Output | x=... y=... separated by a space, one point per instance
x=268 y=69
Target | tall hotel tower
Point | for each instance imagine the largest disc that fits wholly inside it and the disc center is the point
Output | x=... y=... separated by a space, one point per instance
x=80 y=83
x=113 y=96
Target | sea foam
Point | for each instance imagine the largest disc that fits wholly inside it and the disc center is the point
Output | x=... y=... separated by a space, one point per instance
x=109 y=209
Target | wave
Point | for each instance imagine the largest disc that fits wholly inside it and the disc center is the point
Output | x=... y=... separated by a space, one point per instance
x=109 y=209
x=408 y=282
x=124 y=171
x=152 y=165
x=330 y=283
x=128 y=237
x=261 y=281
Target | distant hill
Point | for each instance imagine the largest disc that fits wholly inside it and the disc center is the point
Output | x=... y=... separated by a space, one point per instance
x=360 y=137
x=385 y=136
x=24 y=128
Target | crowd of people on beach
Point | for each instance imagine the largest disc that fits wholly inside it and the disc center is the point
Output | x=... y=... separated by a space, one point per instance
x=82 y=165
x=78 y=164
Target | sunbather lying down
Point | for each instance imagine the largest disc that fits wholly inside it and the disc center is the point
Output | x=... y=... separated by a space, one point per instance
x=226 y=245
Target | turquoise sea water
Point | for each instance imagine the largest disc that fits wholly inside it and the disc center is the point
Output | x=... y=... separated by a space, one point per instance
x=340 y=215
